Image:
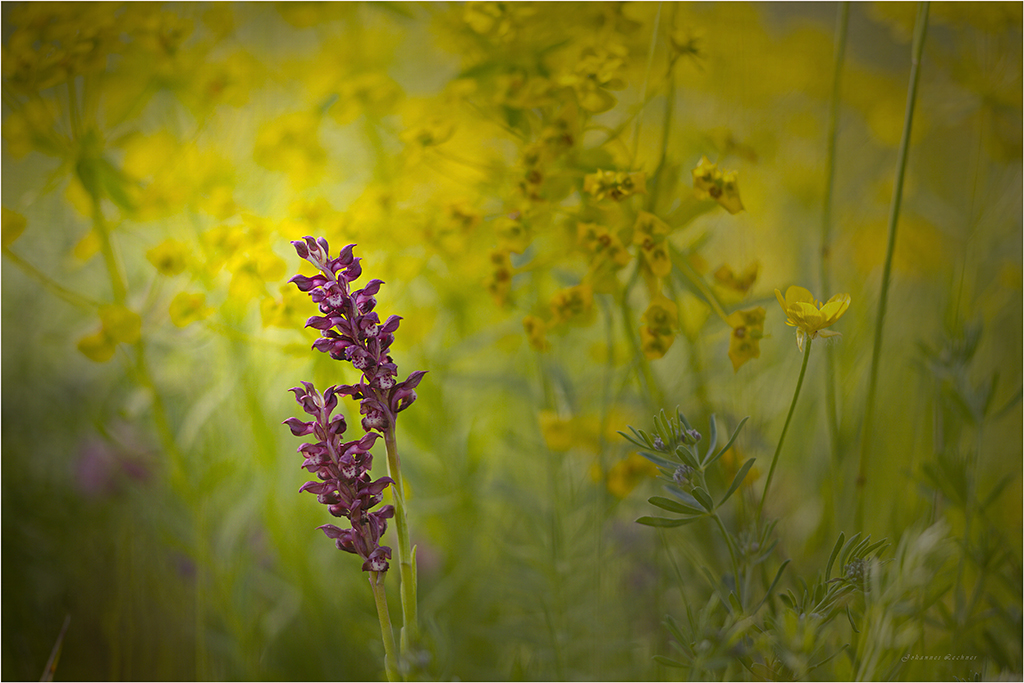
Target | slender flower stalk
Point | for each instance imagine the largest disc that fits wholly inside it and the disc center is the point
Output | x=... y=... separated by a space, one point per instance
x=785 y=428
x=842 y=23
x=920 y=30
x=386 y=633
x=352 y=332
x=810 y=318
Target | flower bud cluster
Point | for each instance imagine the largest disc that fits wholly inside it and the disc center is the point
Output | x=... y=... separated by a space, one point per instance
x=350 y=331
x=343 y=477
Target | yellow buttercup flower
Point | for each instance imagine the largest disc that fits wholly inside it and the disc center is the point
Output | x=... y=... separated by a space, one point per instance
x=810 y=317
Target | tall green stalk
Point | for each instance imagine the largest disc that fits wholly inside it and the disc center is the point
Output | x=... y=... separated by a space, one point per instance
x=831 y=409
x=785 y=427
x=386 y=633
x=406 y=553
x=920 y=29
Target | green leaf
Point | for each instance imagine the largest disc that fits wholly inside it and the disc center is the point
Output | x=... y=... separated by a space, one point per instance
x=682 y=420
x=846 y=549
x=674 y=629
x=996 y=490
x=704 y=499
x=687 y=499
x=687 y=456
x=832 y=557
x=672 y=506
x=731 y=439
x=778 y=575
x=665 y=661
x=660 y=461
x=850 y=617
x=738 y=479
x=712 y=438
x=665 y=522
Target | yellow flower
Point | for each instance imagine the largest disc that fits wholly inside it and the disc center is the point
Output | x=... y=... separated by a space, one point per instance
x=186 y=309
x=745 y=340
x=709 y=181
x=536 y=332
x=625 y=475
x=810 y=317
x=574 y=304
x=615 y=185
x=13 y=225
x=170 y=257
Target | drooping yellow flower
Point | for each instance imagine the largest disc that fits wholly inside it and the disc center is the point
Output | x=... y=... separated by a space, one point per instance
x=810 y=317
x=745 y=340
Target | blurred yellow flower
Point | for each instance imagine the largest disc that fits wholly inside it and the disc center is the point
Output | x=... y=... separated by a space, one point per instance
x=747 y=331
x=117 y=324
x=709 y=181
x=625 y=475
x=291 y=143
x=536 y=332
x=616 y=185
x=661 y=319
x=810 y=317
x=13 y=225
x=574 y=304
x=169 y=257
x=186 y=309
x=499 y=282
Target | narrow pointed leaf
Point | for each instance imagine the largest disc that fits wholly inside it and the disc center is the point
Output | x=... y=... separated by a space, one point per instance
x=738 y=479
x=846 y=548
x=673 y=506
x=687 y=499
x=835 y=553
x=665 y=522
x=778 y=575
x=704 y=499
x=727 y=446
x=660 y=461
x=712 y=438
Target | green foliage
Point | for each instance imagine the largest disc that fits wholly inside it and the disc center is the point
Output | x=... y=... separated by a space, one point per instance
x=581 y=212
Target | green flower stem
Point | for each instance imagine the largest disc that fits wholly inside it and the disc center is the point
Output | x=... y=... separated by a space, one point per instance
x=693 y=276
x=386 y=633
x=406 y=556
x=58 y=290
x=649 y=385
x=826 y=211
x=117 y=278
x=831 y=409
x=732 y=554
x=920 y=29
x=785 y=427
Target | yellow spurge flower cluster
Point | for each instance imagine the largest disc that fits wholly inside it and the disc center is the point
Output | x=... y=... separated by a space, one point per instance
x=747 y=332
x=616 y=185
x=660 y=321
x=810 y=317
x=709 y=181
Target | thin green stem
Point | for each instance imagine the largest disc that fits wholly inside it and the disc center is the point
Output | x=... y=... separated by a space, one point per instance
x=58 y=290
x=386 y=633
x=920 y=29
x=785 y=427
x=732 y=555
x=406 y=554
x=831 y=409
x=647 y=78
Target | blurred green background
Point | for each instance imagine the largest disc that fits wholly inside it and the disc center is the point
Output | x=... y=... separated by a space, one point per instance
x=158 y=159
